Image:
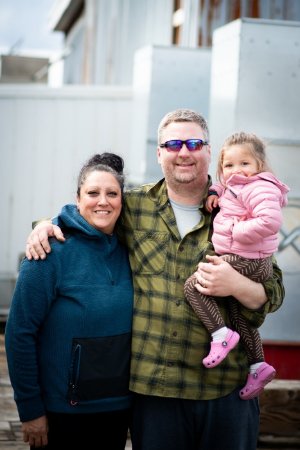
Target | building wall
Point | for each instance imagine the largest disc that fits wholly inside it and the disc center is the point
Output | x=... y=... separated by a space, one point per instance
x=255 y=87
x=46 y=136
x=103 y=38
x=165 y=78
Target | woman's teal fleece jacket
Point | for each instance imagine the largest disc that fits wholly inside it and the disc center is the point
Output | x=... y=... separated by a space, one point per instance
x=68 y=332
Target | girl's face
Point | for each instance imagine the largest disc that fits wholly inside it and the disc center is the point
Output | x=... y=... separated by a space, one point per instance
x=100 y=201
x=238 y=159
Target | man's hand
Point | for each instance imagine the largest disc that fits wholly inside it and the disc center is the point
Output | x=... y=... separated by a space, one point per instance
x=37 y=245
x=219 y=279
x=35 y=432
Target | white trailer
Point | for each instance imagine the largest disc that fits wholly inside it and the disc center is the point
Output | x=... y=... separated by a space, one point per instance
x=255 y=87
x=46 y=135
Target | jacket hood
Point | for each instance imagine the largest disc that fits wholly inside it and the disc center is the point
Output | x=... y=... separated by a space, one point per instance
x=70 y=218
x=267 y=176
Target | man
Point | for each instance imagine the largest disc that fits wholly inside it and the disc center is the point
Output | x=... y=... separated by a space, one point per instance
x=180 y=404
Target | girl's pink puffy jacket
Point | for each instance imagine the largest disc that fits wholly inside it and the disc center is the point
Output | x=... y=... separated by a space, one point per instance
x=250 y=215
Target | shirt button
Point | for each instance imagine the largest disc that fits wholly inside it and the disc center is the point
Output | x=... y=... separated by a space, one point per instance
x=181 y=249
x=178 y=303
x=175 y=333
x=178 y=276
x=170 y=364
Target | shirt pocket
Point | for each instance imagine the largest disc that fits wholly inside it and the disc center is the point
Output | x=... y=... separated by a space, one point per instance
x=149 y=252
x=99 y=368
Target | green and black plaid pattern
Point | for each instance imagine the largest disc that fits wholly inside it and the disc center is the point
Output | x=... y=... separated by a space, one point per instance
x=169 y=341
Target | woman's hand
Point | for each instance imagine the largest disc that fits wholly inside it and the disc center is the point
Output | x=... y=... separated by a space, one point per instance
x=37 y=245
x=35 y=432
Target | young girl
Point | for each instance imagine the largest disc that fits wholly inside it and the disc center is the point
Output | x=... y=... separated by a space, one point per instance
x=245 y=230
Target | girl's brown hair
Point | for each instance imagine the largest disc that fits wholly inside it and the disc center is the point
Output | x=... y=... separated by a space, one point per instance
x=255 y=145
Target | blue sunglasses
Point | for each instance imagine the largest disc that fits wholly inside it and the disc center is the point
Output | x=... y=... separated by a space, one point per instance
x=176 y=145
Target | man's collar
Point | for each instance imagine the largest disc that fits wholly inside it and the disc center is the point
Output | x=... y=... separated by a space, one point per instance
x=158 y=192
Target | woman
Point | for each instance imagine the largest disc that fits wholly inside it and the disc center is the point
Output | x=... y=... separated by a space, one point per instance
x=69 y=328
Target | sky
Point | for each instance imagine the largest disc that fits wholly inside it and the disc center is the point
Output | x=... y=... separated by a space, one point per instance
x=24 y=27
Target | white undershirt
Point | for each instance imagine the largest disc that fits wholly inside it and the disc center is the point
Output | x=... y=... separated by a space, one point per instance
x=186 y=217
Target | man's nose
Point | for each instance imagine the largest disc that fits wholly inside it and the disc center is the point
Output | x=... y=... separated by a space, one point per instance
x=184 y=150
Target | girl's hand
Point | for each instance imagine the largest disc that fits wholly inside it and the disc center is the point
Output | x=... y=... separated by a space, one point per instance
x=212 y=201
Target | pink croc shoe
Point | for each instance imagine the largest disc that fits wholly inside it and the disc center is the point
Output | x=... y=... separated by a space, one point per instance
x=256 y=381
x=219 y=350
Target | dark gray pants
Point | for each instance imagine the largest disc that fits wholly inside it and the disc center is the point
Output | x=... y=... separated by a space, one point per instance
x=227 y=423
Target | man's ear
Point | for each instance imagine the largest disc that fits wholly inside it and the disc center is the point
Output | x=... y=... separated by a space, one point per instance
x=158 y=154
x=209 y=152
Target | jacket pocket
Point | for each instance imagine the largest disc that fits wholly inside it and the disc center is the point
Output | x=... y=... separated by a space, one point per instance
x=99 y=368
x=150 y=252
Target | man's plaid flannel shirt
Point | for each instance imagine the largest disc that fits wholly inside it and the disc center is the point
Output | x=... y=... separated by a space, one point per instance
x=169 y=341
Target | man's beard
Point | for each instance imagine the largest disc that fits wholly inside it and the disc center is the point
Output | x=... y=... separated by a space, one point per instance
x=184 y=178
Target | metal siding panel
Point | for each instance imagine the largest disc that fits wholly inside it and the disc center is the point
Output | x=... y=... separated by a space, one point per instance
x=279 y=9
x=293 y=10
x=7 y=169
x=264 y=97
x=257 y=86
x=73 y=62
x=166 y=78
x=190 y=28
x=46 y=135
x=224 y=85
x=269 y=78
x=122 y=28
